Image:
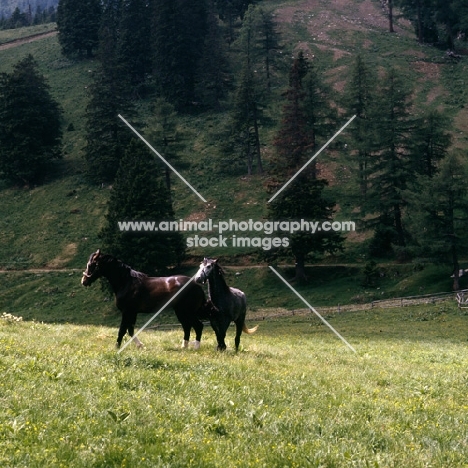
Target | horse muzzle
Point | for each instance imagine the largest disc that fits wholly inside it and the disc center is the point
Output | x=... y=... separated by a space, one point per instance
x=85 y=279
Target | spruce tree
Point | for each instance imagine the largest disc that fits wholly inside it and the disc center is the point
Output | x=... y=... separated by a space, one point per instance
x=213 y=77
x=30 y=124
x=134 y=46
x=359 y=100
x=304 y=198
x=164 y=135
x=140 y=194
x=431 y=141
x=245 y=119
x=390 y=167
x=440 y=213
x=106 y=135
x=178 y=36
x=78 y=25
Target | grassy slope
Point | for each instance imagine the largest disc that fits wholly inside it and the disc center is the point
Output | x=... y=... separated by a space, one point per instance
x=294 y=396
x=56 y=225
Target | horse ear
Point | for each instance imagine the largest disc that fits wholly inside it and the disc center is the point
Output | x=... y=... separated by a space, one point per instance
x=216 y=260
x=96 y=255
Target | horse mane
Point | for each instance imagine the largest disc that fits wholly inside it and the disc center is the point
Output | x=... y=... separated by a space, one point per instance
x=123 y=267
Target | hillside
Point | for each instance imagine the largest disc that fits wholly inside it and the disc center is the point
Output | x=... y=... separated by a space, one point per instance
x=55 y=225
x=8 y=6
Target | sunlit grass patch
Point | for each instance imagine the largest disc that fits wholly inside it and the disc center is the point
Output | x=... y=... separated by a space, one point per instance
x=293 y=396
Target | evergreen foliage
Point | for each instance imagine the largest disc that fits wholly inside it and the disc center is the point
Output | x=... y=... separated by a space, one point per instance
x=30 y=124
x=178 y=36
x=245 y=117
x=304 y=197
x=140 y=194
x=134 y=46
x=213 y=74
x=359 y=100
x=78 y=25
x=440 y=213
x=390 y=167
x=164 y=135
x=106 y=136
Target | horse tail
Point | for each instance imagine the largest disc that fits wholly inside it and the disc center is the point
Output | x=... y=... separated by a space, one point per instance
x=249 y=331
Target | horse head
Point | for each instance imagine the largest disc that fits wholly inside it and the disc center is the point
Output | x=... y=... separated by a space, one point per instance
x=206 y=269
x=92 y=272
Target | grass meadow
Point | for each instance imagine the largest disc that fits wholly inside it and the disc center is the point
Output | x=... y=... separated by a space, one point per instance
x=294 y=396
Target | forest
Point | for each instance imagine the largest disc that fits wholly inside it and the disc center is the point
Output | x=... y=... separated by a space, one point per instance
x=399 y=170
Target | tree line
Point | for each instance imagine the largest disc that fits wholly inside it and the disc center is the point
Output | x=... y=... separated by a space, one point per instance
x=408 y=185
x=20 y=19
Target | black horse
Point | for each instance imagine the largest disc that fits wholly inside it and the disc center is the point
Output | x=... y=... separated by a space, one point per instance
x=136 y=293
x=230 y=303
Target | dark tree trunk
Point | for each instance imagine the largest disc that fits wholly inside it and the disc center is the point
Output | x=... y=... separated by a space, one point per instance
x=390 y=15
x=300 y=269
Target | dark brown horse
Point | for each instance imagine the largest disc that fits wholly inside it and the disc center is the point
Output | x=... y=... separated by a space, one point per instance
x=230 y=303
x=136 y=293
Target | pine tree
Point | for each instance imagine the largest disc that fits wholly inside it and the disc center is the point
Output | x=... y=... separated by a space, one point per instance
x=390 y=167
x=134 y=46
x=422 y=15
x=359 y=100
x=293 y=142
x=440 y=213
x=140 y=194
x=213 y=77
x=164 y=135
x=304 y=198
x=106 y=135
x=178 y=36
x=78 y=25
x=245 y=121
x=431 y=142
x=30 y=125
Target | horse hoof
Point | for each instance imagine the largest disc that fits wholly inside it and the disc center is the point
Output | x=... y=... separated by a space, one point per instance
x=195 y=344
x=185 y=344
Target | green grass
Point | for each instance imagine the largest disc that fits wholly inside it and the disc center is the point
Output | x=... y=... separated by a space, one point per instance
x=59 y=297
x=7 y=35
x=293 y=396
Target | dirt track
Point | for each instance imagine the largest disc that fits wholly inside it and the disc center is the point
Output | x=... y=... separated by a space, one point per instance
x=26 y=40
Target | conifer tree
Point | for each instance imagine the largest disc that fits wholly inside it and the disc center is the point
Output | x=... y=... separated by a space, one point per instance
x=106 y=135
x=431 y=141
x=359 y=100
x=78 y=25
x=440 y=213
x=164 y=135
x=134 y=45
x=178 y=36
x=30 y=123
x=140 y=194
x=212 y=78
x=304 y=198
x=245 y=121
x=390 y=167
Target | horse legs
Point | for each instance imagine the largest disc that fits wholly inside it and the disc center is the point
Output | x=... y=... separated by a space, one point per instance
x=239 y=325
x=131 y=330
x=122 y=329
x=198 y=327
x=186 y=327
x=220 y=327
x=127 y=324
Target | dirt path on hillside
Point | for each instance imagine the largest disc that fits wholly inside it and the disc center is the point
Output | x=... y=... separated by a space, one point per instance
x=27 y=40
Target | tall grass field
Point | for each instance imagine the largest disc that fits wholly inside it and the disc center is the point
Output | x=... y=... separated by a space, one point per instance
x=294 y=396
